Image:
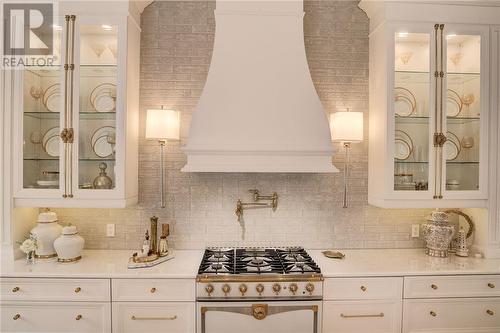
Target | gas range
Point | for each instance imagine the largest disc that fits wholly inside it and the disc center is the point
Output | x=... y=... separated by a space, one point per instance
x=258 y=274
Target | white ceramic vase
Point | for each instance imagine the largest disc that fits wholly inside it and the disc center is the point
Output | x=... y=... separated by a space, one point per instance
x=46 y=232
x=69 y=245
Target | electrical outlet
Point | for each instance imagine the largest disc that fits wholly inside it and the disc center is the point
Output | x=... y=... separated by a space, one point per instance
x=415 y=230
x=110 y=230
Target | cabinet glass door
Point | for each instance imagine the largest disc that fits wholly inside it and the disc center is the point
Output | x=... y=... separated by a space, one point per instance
x=96 y=123
x=462 y=105
x=42 y=103
x=412 y=111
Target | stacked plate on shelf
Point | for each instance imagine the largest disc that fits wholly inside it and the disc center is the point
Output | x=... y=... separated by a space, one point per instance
x=451 y=148
x=50 y=142
x=454 y=103
x=405 y=102
x=52 y=98
x=403 y=145
x=103 y=97
x=103 y=141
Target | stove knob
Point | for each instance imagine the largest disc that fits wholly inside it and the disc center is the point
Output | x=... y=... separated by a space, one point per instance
x=276 y=288
x=243 y=289
x=293 y=288
x=209 y=289
x=259 y=288
x=310 y=288
x=226 y=289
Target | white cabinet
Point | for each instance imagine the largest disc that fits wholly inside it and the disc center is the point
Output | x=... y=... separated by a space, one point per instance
x=77 y=118
x=172 y=317
x=155 y=290
x=429 y=106
x=362 y=305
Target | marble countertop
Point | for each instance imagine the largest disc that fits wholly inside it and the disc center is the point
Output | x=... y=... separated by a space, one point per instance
x=366 y=262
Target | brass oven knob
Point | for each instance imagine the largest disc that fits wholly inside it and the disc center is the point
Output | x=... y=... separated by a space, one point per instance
x=491 y=285
x=310 y=288
x=293 y=288
x=243 y=289
x=433 y=286
x=209 y=289
x=226 y=289
x=276 y=288
x=259 y=288
x=15 y=289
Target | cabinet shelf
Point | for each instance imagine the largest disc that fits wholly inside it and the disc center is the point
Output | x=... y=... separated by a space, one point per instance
x=92 y=115
x=425 y=120
x=80 y=159
x=426 y=162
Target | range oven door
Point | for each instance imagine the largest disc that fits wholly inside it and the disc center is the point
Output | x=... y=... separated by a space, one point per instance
x=259 y=317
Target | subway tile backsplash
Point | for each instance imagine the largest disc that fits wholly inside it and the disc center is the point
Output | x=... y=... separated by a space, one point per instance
x=176 y=45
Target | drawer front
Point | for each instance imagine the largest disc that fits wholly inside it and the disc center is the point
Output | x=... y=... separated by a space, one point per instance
x=466 y=315
x=154 y=317
x=452 y=286
x=35 y=289
x=362 y=316
x=153 y=290
x=55 y=317
x=362 y=288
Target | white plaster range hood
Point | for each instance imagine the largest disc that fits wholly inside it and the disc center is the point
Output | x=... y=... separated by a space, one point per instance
x=259 y=111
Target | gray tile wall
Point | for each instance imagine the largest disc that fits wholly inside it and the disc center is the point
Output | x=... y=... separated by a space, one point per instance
x=176 y=47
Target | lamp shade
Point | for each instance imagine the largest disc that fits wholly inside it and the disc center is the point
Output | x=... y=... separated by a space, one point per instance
x=346 y=126
x=162 y=124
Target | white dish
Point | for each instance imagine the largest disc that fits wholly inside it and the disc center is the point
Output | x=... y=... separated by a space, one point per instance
x=47 y=182
x=104 y=103
x=405 y=103
x=450 y=150
x=102 y=131
x=102 y=147
x=453 y=103
x=52 y=98
x=402 y=149
x=50 y=142
x=103 y=97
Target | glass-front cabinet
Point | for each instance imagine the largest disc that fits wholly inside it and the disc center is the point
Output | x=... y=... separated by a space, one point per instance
x=436 y=112
x=74 y=117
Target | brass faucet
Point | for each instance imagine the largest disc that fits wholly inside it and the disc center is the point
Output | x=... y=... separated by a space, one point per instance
x=240 y=206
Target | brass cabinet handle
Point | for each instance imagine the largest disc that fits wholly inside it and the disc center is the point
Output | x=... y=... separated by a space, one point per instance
x=490 y=312
x=154 y=318
x=78 y=289
x=16 y=316
x=363 y=288
x=432 y=313
x=153 y=290
x=379 y=315
x=15 y=289
x=78 y=317
x=433 y=286
x=491 y=285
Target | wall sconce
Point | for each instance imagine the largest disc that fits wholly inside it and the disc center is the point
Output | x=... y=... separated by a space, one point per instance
x=347 y=128
x=162 y=125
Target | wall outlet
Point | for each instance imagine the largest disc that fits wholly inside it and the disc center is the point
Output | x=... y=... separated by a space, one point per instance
x=415 y=230
x=110 y=230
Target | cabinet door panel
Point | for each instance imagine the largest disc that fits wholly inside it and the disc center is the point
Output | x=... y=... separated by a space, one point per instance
x=362 y=316
x=467 y=315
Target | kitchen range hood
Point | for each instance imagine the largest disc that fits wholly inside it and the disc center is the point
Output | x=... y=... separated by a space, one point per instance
x=259 y=110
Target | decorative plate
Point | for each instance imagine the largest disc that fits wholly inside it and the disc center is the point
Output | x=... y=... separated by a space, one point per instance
x=103 y=97
x=405 y=102
x=50 y=142
x=454 y=103
x=52 y=98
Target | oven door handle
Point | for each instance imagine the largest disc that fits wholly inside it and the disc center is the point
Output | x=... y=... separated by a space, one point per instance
x=259 y=312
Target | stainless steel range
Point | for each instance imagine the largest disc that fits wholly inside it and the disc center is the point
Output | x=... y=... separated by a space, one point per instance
x=265 y=290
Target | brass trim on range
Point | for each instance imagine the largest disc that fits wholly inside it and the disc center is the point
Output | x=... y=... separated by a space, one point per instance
x=267 y=278
x=69 y=260
x=259 y=312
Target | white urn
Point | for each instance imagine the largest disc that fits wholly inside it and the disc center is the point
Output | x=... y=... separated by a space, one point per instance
x=46 y=232
x=69 y=245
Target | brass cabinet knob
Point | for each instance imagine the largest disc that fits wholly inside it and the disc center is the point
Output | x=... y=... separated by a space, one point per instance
x=153 y=290
x=310 y=288
x=490 y=312
x=276 y=288
x=433 y=286
x=209 y=289
x=363 y=288
x=226 y=289
x=16 y=316
x=259 y=288
x=78 y=317
x=78 y=289
x=243 y=289
x=15 y=289
x=293 y=288
x=432 y=313
x=491 y=285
